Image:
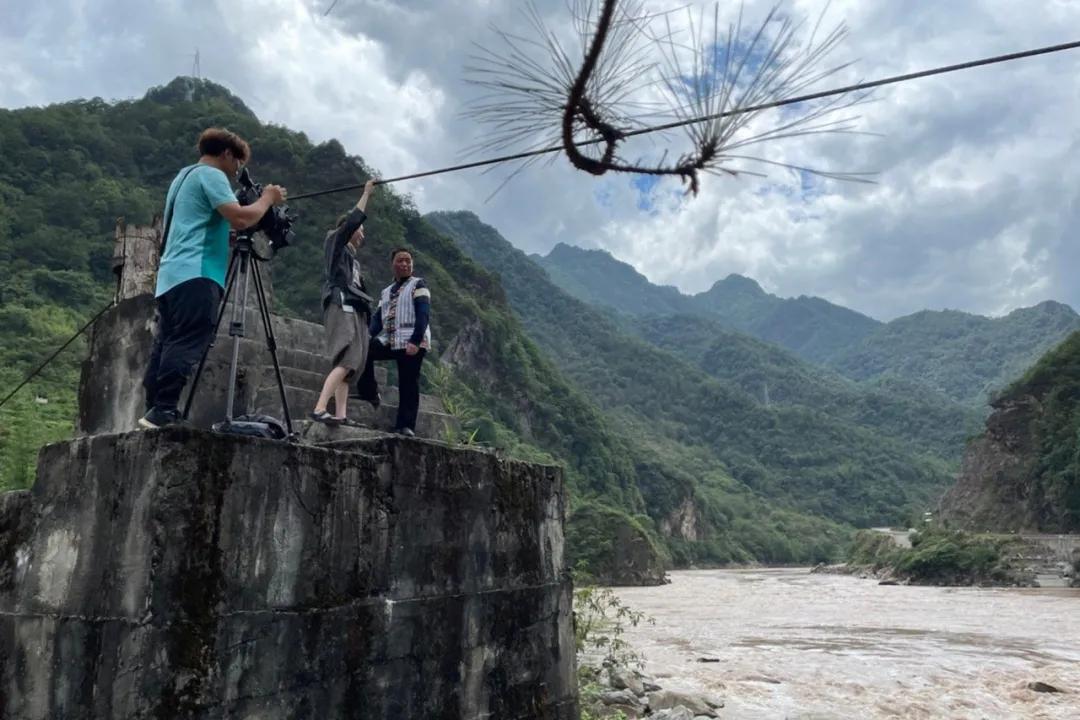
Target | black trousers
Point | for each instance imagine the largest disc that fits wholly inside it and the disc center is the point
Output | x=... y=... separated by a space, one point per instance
x=186 y=317
x=408 y=367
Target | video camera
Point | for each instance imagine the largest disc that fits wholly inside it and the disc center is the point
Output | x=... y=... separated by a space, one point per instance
x=276 y=223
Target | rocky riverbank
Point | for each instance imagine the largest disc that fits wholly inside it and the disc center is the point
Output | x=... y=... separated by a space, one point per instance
x=941 y=558
x=626 y=693
x=890 y=576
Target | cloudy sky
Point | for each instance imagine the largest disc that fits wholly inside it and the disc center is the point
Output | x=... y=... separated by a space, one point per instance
x=975 y=205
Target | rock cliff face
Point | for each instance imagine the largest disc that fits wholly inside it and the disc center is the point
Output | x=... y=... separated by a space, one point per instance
x=178 y=573
x=684 y=522
x=1023 y=473
x=994 y=490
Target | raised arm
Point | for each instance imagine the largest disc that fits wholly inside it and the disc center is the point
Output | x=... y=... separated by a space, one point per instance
x=355 y=218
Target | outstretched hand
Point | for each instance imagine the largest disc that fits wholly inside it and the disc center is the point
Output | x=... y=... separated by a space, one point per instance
x=276 y=193
x=361 y=204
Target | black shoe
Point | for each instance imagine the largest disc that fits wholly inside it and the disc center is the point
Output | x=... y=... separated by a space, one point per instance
x=157 y=418
x=325 y=418
x=407 y=432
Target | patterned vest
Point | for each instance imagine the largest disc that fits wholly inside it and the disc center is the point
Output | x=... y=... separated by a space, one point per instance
x=399 y=315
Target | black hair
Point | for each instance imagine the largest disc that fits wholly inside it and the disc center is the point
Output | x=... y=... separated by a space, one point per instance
x=215 y=141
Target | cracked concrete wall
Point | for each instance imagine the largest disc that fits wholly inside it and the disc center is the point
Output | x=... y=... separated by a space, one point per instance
x=178 y=573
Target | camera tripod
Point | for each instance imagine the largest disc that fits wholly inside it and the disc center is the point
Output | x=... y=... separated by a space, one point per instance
x=244 y=259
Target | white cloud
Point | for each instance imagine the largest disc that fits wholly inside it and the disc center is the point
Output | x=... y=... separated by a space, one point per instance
x=976 y=202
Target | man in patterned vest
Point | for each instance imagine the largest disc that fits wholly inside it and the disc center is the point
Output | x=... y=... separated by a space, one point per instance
x=400 y=331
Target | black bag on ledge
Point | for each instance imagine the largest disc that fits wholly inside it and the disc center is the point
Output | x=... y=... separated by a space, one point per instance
x=262 y=426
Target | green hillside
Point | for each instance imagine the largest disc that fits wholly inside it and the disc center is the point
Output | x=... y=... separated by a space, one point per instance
x=907 y=411
x=965 y=357
x=960 y=356
x=797 y=455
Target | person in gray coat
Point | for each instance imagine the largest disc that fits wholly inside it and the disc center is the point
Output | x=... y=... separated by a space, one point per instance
x=346 y=310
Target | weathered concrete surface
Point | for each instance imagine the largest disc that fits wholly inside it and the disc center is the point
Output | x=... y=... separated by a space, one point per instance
x=136 y=252
x=181 y=574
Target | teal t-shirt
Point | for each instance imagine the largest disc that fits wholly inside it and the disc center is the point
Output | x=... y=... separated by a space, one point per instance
x=198 y=242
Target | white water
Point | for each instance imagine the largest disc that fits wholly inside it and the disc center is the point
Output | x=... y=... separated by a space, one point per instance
x=795 y=645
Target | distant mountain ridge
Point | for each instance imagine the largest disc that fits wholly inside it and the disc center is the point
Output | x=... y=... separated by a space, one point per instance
x=809 y=326
x=967 y=357
x=962 y=356
x=930 y=420
x=599 y=279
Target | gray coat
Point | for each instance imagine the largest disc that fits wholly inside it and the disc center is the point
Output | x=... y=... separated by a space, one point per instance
x=338 y=284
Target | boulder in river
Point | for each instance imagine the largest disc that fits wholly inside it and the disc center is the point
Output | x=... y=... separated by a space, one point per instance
x=621 y=697
x=624 y=679
x=697 y=704
x=676 y=713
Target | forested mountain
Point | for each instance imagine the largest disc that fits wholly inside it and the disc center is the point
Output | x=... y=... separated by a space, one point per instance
x=810 y=327
x=599 y=279
x=927 y=420
x=961 y=356
x=796 y=453
x=966 y=357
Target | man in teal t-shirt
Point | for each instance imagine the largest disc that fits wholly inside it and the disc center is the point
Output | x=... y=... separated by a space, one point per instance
x=198 y=243
x=200 y=208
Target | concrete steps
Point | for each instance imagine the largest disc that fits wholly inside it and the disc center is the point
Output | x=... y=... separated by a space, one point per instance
x=313 y=381
x=303 y=370
x=313 y=433
x=429 y=423
x=255 y=352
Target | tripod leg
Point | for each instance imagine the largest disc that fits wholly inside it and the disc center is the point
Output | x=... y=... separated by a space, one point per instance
x=230 y=278
x=236 y=329
x=271 y=344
